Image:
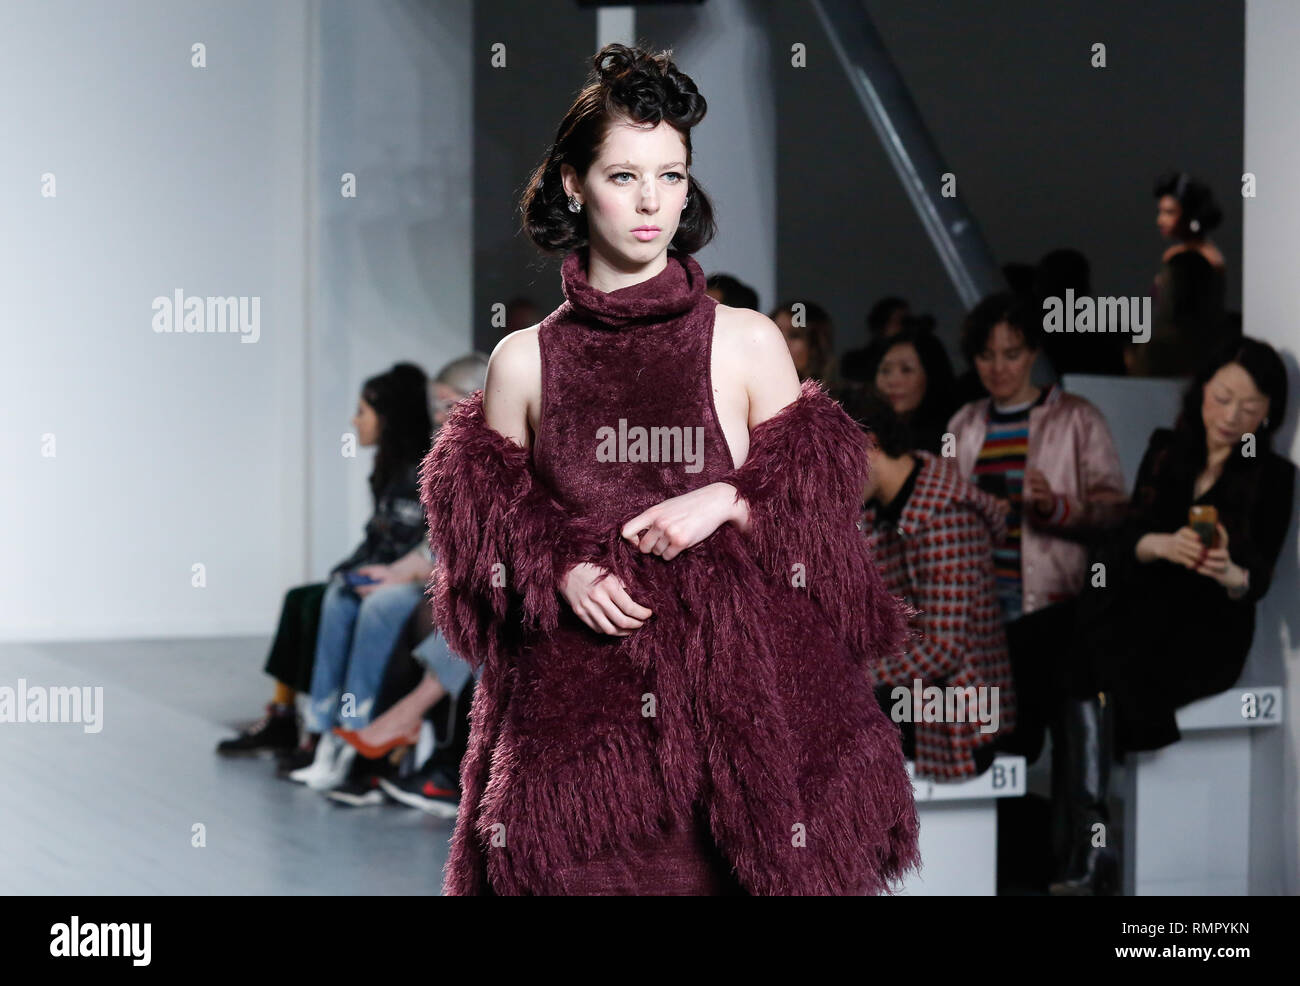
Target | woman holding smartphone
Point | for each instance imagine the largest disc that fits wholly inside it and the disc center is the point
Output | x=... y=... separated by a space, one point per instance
x=1175 y=618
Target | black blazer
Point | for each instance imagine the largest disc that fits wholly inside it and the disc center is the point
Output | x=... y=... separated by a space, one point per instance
x=1161 y=635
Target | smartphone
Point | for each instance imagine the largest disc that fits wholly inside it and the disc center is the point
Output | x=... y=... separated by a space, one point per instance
x=356 y=578
x=1204 y=520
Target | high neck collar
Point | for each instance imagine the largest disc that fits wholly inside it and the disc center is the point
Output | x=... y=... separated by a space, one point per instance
x=674 y=290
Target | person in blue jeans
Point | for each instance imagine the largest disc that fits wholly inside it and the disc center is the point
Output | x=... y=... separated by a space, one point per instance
x=360 y=623
x=433 y=787
x=355 y=643
x=445 y=674
x=356 y=637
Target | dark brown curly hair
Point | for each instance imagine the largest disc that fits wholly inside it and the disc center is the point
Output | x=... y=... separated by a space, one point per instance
x=624 y=85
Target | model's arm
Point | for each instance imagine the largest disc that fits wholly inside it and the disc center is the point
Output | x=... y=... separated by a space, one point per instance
x=513 y=382
x=500 y=539
x=797 y=499
x=771 y=383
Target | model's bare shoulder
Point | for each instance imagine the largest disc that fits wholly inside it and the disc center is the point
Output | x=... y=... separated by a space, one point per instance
x=770 y=379
x=512 y=392
x=727 y=333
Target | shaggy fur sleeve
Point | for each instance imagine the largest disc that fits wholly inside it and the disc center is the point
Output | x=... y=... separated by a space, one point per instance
x=803 y=483
x=500 y=539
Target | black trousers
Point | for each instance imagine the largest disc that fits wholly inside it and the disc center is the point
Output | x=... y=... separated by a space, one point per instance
x=1048 y=665
x=293 y=652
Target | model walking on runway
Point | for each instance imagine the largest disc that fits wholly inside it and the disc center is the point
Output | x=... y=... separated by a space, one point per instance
x=646 y=536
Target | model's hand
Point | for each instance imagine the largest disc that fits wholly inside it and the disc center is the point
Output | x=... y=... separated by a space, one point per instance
x=383 y=575
x=600 y=600
x=671 y=526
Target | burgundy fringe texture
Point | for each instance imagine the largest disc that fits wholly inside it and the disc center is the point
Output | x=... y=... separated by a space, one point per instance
x=759 y=657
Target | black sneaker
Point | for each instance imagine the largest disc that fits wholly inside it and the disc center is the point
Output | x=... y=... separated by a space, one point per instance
x=275 y=732
x=357 y=792
x=433 y=790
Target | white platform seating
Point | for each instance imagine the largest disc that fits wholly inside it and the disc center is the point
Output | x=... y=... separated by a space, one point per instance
x=959 y=830
x=1187 y=806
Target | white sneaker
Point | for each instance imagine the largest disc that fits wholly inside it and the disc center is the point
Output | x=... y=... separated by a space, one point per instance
x=337 y=771
x=327 y=750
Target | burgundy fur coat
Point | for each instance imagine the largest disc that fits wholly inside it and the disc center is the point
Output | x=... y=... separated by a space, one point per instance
x=762 y=647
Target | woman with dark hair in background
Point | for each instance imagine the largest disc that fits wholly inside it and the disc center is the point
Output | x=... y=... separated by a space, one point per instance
x=1186 y=213
x=731 y=291
x=1188 y=317
x=291 y=660
x=662 y=696
x=931 y=532
x=370 y=595
x=915 y=376
x=886 y=318
x=811 y=340
x=415 y=684
x=1176 y=617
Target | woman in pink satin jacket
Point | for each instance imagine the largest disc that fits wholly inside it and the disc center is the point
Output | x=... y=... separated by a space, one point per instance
x=1049 y=457
x=1068 y=487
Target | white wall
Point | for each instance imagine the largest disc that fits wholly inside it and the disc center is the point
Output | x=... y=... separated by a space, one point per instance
x=1271 y=311
x=394 y=271
x=171 y=449
x=177 y=449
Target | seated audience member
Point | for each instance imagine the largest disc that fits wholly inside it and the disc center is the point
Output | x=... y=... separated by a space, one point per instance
x=1175 y=617
x=435 y=786
x=811 y=342
x=931 y=534
x=730 y=291
x=291 y=660
x=361 y=622
x=885 y=319
x=444 y=674
x=1049 y=457
x=915 y=376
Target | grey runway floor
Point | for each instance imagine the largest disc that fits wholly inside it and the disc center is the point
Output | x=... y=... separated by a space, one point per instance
x=114 y=812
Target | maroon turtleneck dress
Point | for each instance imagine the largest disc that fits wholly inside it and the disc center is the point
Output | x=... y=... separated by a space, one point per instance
x=733 y=742
x=635 y=357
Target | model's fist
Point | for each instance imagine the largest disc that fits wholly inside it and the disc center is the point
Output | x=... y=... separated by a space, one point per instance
x=600 y=600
